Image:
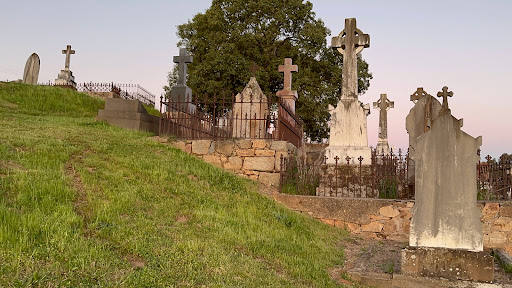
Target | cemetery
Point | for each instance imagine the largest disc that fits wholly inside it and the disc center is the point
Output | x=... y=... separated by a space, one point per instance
x=444 y=213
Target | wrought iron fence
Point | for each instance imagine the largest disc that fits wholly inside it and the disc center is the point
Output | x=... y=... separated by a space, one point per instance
x=125 y=91
x=388 y=176
x=230 y=117
x=494 y=180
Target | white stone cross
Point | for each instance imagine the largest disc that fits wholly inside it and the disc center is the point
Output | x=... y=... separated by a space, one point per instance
x=68 y=53
x=287 y=69
x=383 y=104
x=445 y=94
x=182 y=61
x=349 y=43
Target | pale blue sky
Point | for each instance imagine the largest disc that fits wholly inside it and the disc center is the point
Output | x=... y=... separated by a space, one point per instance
x=464 y=45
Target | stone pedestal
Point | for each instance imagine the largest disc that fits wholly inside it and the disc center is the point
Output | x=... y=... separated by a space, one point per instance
x=181 y=95
x=348 y=132
x=66 y=79
x=447 y=263
x=128 y=114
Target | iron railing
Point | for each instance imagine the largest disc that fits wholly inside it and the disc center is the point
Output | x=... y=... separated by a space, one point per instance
x=125 y=91
x=387 y=176
x=224 y=117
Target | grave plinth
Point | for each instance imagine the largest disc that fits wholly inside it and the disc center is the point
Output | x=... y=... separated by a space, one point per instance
x=128 y=114
x=446 y=263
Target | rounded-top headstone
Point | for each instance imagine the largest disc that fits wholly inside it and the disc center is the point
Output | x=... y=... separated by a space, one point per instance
x=31 y=73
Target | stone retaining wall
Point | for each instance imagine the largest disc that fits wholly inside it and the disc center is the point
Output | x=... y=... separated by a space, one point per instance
x=390 y=219
x=254 y=159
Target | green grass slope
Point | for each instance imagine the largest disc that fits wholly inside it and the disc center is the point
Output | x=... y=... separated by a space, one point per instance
x=85 y=204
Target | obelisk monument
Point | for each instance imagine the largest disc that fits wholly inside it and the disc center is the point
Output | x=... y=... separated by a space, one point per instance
x=348 y=132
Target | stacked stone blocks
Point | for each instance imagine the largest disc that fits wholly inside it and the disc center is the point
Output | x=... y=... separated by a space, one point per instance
x=254 y=159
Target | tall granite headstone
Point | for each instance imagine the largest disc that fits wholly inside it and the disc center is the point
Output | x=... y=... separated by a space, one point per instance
x=348 y=130
x=383 y=104
x=287 y=94
x=31 y=73
x=181 y=94
x=65 y=77
x=250 y=112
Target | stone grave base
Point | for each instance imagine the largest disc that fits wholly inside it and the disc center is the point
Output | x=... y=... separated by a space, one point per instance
x=448 y=264
x=128 y=114
x=351 y=151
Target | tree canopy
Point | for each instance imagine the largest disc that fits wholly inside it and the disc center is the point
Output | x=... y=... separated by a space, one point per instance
x=234 y=35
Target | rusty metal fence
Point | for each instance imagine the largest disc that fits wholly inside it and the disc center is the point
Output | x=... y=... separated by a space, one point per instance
x=388 y=176
x=224 y=117
x=494 y=180
x=125 y=91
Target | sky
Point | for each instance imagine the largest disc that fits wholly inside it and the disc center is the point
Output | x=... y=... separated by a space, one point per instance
x=464 y=45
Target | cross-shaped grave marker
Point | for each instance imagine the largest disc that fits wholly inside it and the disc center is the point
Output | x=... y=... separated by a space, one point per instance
x=445 y=94
x=383 y=104
x=68 y=53
x=287 y=69
x=420 y=93
x=182 y=61
x=287 y=94
x=350 y=42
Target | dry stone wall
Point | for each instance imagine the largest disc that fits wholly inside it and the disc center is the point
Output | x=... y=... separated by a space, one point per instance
x=254 y=159
x=390 y=219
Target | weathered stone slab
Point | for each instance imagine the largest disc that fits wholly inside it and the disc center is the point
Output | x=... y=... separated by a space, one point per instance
x=448 y=263
x=224 y=147
x=506 y=210
x=244 y=144
x=259 y=163
x=31 y=73
x=245 y=152
x=265 y=153
x=234 y=163
x=270 y=179
x=279 y=146
x=446 y=214
x=249 y=111
x=128 y=114
x=201 y=147
x=259 y=144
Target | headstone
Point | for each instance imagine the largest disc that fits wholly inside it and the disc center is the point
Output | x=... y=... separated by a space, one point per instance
x=348 y=130
x=181 y=94
x=31 y=73
x=419 y=121
x=287 y=94
x=445 y=213
x=446 y=236
x=65 y=77
x=250 y=112
x=383 y=104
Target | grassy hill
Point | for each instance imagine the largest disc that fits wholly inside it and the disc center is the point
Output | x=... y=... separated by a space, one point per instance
x=85 y=204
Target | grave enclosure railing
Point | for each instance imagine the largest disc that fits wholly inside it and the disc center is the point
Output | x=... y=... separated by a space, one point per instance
x=220 y=118
x=388 y=176
x=125 y=91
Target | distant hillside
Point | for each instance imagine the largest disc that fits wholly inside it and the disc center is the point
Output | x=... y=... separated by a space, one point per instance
x=85 y=204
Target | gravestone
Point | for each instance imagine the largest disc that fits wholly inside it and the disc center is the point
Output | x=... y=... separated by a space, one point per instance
x=31 y=73
x=348 y=130
x=421 y=116
x=287 y=94
x=250 y=112
x=65 y=77
x=181 y=94
x=445 y=226
x=383 y=104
